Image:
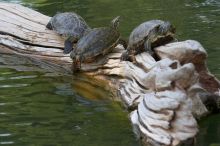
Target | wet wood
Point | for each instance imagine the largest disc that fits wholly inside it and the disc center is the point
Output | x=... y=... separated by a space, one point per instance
x=163 y=96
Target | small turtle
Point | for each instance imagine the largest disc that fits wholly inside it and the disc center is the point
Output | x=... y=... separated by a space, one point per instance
x=148 y=35
x=98 y=41
x=68 y=24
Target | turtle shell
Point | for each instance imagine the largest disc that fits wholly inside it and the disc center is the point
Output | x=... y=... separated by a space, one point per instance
x=143 y=31
x=68 y=24
x=147 y=36
x=99 y=41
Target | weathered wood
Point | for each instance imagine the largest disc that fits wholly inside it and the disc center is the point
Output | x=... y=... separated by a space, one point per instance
x=191 y=51
x=163 y=95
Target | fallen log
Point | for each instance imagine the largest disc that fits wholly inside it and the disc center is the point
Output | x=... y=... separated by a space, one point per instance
x=163 y=96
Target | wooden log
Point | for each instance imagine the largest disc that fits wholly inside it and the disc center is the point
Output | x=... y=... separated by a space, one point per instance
x=162 y=95
x=191 y=51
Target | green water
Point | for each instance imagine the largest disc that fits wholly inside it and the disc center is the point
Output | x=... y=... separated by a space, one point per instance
x=38 y=108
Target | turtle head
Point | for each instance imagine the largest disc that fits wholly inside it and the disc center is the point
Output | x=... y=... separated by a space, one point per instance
x=167 y=28
x=115 y=22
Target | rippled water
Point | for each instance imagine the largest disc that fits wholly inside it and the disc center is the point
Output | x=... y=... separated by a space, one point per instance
x=40 y=108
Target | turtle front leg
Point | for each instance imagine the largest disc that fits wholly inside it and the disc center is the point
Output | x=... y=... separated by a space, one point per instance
x=76 y=65
x=128 y=57
x=79 y=59
x=133 y=59
x=68 y=44
x=125 y=56
x=132 y=56
x=123 y=42
x=49 y=26
x=147 y=47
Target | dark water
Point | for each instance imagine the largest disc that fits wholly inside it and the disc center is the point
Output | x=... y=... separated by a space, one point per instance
x=37 y=109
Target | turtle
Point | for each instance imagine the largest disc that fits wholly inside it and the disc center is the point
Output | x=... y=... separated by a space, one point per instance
x=97 y=42
x=146 y=36
x=70 y=25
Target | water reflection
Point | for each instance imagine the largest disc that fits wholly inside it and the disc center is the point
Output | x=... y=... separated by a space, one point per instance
x=6 y=142
x=5 y=134
x=49 y=111
x=13 y=86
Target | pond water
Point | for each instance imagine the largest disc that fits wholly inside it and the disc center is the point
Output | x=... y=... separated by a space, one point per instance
x=38 y=108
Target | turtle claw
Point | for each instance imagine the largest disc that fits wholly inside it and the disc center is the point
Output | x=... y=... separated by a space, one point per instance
x=133 y=59
x=68 y=46
x=124 y=56
x=73 y=67
x=49 y=26
x=123 y=42
x=147 y=47
x=76 y=66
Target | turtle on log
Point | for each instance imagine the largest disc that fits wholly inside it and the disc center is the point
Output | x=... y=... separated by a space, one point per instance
x=68 y=24
x=97 y=42
x=147 y=36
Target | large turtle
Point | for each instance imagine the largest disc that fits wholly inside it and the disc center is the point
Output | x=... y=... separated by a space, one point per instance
x=148 y=35
x=68 y=24
x=98 y=41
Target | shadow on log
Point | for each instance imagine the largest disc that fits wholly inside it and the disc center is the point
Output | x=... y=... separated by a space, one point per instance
x=163 y=96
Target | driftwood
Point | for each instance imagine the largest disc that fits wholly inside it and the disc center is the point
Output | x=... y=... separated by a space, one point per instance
x=163 y=96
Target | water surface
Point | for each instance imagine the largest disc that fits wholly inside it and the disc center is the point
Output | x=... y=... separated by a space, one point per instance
x=38 y=108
